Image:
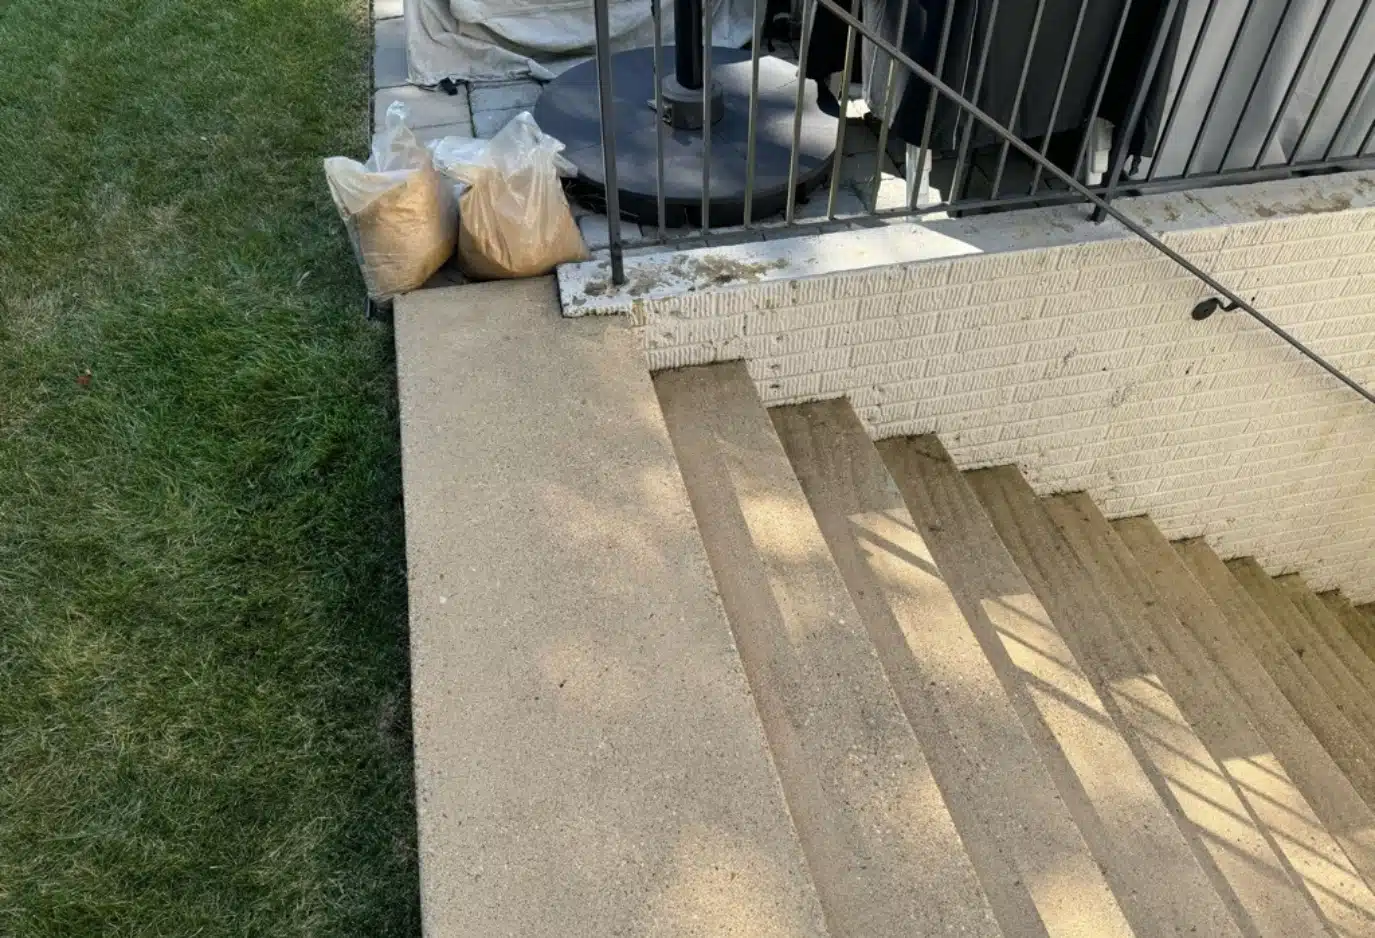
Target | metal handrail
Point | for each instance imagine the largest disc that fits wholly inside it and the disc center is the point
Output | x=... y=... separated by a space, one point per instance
x=1234 y=301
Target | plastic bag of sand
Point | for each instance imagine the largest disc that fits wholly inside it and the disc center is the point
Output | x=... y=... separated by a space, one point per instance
x=513 y=217
x=399 y=211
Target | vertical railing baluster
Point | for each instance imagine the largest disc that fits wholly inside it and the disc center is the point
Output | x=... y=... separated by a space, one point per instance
x=838 y=161
x=1251 y=95
x=808 y=17
x=1103 y=77
x=929 y=122
x=706 y=116
x=607 y=113
x=962 y=154
x=1122 y=135
x=756 y=40
x=1350 y=109
x=1365 y=141
x=1183 y=87
x=660 y=201
x=1293 y=83
x=1017 y=97
x=887 y=107
x=1059 y=93
x=1356 y=23
x=1217 y=88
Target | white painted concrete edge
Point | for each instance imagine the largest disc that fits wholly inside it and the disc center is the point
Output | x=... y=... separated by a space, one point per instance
x=586 y=288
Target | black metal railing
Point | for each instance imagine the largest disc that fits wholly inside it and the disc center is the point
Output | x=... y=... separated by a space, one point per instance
x=1208 y=158
x=1292 y=95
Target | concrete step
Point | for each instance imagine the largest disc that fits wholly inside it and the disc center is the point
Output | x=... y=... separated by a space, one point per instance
x=1351 y=619
x=1325 y=722
x=1024 y=844
x=587 y=757
x=1199 y=823
x=1336 y=800
x=1309 y=653
x=1274 y=803
x=1152 y=873
x=1330 y=632
x=883 y=850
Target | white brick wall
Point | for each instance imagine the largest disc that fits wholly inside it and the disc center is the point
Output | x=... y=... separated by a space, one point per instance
x=1069 y=350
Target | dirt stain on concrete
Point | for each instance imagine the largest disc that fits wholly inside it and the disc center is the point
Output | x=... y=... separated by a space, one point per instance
x=1319 y=205
x=691 y=273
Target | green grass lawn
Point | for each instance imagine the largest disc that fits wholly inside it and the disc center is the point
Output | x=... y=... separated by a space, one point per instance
x=204 y=722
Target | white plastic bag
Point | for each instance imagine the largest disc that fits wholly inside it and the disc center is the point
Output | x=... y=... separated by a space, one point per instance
x=399 y=212
x=513 y=219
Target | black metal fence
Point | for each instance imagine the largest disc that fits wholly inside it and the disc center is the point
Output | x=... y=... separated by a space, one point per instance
x=1127 y=140
x=1160 y=94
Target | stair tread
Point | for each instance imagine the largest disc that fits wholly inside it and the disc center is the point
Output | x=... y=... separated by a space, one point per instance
x=1156 y=881
x=1325 y=723
x=1308 y=653
x=1330 y=631
x=587 y=759
x=1334 y=797
x=1216 y=831
x=1188 y=673
x=1022 y=839
x=880 y=842
x=1352 y=621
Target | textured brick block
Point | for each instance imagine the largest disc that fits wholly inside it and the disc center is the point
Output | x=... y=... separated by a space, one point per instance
x=1082 y=436
x=1246 y=258
x=1107 y=300
x=798 y=388
x=1340 y=246
x=1015 y=377
x=1181 y=288
x=1303 y=272
x=960 y=403
x=786 y=366
x=991 y=314
x=1012 y=333
x=924 y=301
x=981 y=360
x=983 y=268
x=1138 y=272
x=1299 y=293
x=788 y=341
x=907 y=350
x=681 y=356
x=799 y=317
x=996 y=291
x=885 y=330
x=667 y=331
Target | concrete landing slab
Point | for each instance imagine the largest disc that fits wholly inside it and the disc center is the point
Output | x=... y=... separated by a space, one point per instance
x=389 y=53
x=588 y=759
x=486 y=124
x=505 y=95
x=424 y=108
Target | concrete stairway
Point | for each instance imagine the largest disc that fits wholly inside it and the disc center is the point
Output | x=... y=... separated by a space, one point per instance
x=683 y=666
x=1111 y=735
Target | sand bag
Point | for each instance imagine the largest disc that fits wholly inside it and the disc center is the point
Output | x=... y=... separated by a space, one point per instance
x=399 y=212
x=513 y=216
